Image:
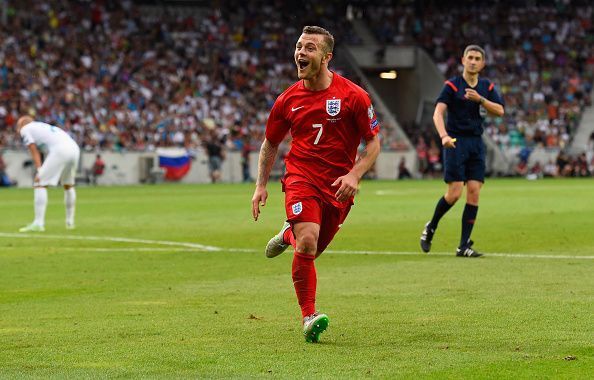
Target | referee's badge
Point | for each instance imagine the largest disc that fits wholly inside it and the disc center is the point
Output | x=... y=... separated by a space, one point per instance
x=333 y=106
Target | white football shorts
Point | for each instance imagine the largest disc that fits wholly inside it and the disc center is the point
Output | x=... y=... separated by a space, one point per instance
x=59 y=166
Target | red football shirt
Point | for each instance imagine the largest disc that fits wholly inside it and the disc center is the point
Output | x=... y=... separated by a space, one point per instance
x=327 y=127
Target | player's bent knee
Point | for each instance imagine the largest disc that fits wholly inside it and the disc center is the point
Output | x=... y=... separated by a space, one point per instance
x=308 y=244
x=306 y=248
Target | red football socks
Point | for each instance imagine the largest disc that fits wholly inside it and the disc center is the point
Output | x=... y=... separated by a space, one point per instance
x=289 y=237
x=305 y=281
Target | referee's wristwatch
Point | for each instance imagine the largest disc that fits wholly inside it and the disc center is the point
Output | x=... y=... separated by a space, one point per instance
x=482 y=100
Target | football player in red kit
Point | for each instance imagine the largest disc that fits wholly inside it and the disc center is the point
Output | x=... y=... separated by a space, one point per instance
x=327 y=116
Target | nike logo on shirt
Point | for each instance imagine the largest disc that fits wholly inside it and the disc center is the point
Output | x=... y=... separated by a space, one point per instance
x=293 y=109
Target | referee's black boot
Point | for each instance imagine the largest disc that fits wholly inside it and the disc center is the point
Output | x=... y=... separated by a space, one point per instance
x=467 y=251
x=426 y=237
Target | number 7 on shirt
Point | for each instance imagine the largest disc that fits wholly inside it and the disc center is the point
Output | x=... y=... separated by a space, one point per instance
x=319 y=133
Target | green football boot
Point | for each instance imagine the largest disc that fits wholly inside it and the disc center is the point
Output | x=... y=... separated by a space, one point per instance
x=314 y=325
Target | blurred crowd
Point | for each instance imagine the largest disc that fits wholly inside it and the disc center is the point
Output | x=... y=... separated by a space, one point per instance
x=563 y=165
x=541 y=57
x=119 y=76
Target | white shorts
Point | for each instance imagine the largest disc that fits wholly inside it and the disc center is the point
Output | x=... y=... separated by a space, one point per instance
x=59 y=166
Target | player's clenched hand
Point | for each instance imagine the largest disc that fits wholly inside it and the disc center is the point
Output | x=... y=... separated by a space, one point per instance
x=349 y=184
x=448 y=142
x=472 y=95
x=259 y=199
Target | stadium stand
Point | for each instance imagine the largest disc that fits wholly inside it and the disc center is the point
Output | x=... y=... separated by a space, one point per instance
x=540 y=56
x=137 y=76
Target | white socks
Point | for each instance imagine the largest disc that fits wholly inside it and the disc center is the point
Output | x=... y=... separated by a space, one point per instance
x=40 y=201
x=70 y=202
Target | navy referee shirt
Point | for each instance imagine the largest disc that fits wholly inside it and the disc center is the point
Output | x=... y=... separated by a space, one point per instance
x=464 y=116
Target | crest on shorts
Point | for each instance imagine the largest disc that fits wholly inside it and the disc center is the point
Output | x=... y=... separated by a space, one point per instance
x=297 y=208
x=333 y=106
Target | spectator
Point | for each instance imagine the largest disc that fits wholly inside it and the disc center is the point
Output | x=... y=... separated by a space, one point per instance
x=422 y=152
x=564 y=165
x=521 y=168
x=403 y=172
x=246 y=149
x=97 y=169
x=536 y=171
x=216 y=155
x=5 y=181
x=581 y=166
x=550 y=169
x=434 y=159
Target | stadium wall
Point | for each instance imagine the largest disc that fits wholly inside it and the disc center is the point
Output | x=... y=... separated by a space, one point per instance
x=133 y=168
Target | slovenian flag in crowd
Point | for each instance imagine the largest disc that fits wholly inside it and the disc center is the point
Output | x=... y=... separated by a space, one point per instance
x=175 y=161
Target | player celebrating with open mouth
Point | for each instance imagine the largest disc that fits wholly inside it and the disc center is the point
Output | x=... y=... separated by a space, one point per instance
x=327 y=116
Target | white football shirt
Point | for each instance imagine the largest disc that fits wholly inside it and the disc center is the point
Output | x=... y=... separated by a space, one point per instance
x=46 y=136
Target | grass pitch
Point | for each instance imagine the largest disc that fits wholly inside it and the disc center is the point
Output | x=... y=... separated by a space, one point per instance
x=171 y=281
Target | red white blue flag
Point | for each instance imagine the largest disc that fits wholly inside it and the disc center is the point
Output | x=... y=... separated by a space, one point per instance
x=175 y=161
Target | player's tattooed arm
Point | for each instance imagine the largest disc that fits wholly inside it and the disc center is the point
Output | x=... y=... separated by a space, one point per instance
x=367 y=157
x=266 y=159
x=362 y=155
x=268 y=153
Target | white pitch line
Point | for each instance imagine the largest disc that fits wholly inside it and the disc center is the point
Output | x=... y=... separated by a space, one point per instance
x=404 y=253
x=495 y=254
x=141 y=249
x=116 y=239
x=208 y=248
x=539 y=256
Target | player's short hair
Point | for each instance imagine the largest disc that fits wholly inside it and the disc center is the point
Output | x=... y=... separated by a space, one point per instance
x=328 y=37
x=475 y=48
x=23 y=120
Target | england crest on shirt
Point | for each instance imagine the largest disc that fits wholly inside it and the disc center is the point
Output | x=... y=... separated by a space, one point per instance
x=333 y=106
x=297 y=208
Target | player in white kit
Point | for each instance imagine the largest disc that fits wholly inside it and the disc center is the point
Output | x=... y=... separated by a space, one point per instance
x=61 y=160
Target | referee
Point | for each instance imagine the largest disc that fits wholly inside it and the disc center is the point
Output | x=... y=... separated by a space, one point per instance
x=467 y=99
